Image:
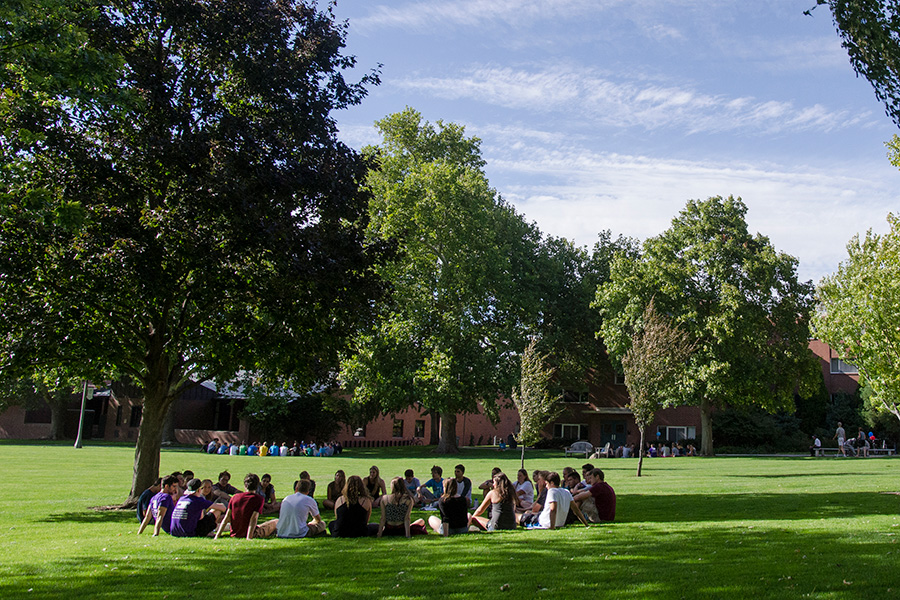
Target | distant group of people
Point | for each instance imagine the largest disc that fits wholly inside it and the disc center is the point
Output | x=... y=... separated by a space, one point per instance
x=665 y=450
x=215 y=446
x=191 y=507
x=858 y=446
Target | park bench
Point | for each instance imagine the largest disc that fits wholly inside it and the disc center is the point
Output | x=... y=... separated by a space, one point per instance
x=579 y=448
x=824 y=451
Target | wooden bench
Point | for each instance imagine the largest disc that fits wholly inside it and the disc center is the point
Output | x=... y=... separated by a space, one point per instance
x=824 y=451
x=885 y=451
x=579 y=448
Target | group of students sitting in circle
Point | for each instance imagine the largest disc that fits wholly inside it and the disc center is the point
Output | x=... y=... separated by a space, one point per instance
x=272 y=449
x=195 y=508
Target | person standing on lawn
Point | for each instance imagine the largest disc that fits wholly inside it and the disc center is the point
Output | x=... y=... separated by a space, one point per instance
x=841 y=436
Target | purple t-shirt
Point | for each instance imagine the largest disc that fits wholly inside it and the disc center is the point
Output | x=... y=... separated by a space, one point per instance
x=165 y=500
x=187 y=514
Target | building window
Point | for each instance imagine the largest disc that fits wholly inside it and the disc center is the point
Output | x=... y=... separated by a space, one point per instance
x=38 y=415
x=575 y=431
x=620 y=379
x=420 y=428
x=360 y=431
x=135 y=420
x=677 y=433
x=119 y=415
x=840 y=366
x=573 y=396
x=398 y=428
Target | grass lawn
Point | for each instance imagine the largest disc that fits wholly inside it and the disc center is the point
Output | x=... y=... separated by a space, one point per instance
x=690 y=528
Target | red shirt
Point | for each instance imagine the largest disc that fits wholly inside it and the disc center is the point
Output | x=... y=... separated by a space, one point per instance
x=604 y=500
x=242 y=507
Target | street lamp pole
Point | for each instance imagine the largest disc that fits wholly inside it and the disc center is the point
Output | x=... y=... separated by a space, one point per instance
x=86 y=394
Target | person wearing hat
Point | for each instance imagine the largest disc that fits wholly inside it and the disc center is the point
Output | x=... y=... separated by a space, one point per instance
x=193 y=516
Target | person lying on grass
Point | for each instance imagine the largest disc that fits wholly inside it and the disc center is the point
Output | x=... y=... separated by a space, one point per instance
x=454 y=508
x=241 y=518
x=558 y=503
x=395 y=512
x=161 y=507
x=502 y=500
x=194 y=515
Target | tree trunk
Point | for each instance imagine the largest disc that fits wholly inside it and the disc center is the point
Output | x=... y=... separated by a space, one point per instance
x=435 y=436
x=448 y=443
x=641 y=452
x=168 y=431
x=523 y=457
x=146 y=452
x=58 y=409
x=706 y=443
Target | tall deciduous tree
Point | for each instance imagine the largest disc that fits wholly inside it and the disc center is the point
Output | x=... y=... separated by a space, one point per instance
x=859 y=313
x=729 y=290
x=449 y=337
x=654 y=369
x=870 y=32
x=193 y=218
x=536 y=404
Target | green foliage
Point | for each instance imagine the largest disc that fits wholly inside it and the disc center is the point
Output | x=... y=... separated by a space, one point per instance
x=654 y=368
x=448 y=336
x=755 y=430
x=730 y=291
x=812 y=408
x=195 y=217
x=536 y=404
x=869 y=32
x=859 y=312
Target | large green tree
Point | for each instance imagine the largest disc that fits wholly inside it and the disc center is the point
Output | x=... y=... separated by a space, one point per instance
x=448 y=338
x=870 y=32
x=859 y=313
x=193 y=218
x=729 y=290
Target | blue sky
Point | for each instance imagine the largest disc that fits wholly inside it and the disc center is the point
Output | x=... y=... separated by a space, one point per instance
x=611 y=114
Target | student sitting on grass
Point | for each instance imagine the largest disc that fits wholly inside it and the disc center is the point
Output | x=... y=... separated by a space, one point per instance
x=488 y=485
x=502 y=500
x=395 y=511
x=267 y=491
x=312 y=483
x=411 y=482
x=161 y=507
x=334 y=489
x=375 y=485
x=352 y=511
x=295 y=512
x=463 y=483
x=223 y=484
x=432 y=489
x=147 y=495
x=454 y=518
x=530 y=516
x=598 y=503
x=213 y=495
x=242 y=516
x=556 y=508
x=524 y=490
x=193 y=515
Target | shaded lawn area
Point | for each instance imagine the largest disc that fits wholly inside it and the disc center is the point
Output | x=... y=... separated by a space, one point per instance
x=691 y=528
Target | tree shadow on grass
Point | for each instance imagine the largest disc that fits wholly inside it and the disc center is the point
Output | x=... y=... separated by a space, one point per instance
x=614 y=561
x=89 y=515
x=636 y=508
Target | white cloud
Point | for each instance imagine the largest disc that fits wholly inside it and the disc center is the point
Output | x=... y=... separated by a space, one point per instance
x=601 y=100
x=572 y=191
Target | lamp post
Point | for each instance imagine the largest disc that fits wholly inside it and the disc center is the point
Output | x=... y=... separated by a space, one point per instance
x=87 y=393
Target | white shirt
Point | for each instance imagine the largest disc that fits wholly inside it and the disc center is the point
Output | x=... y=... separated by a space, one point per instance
x=295 y=512
x=528 y=499
x=563 y=499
